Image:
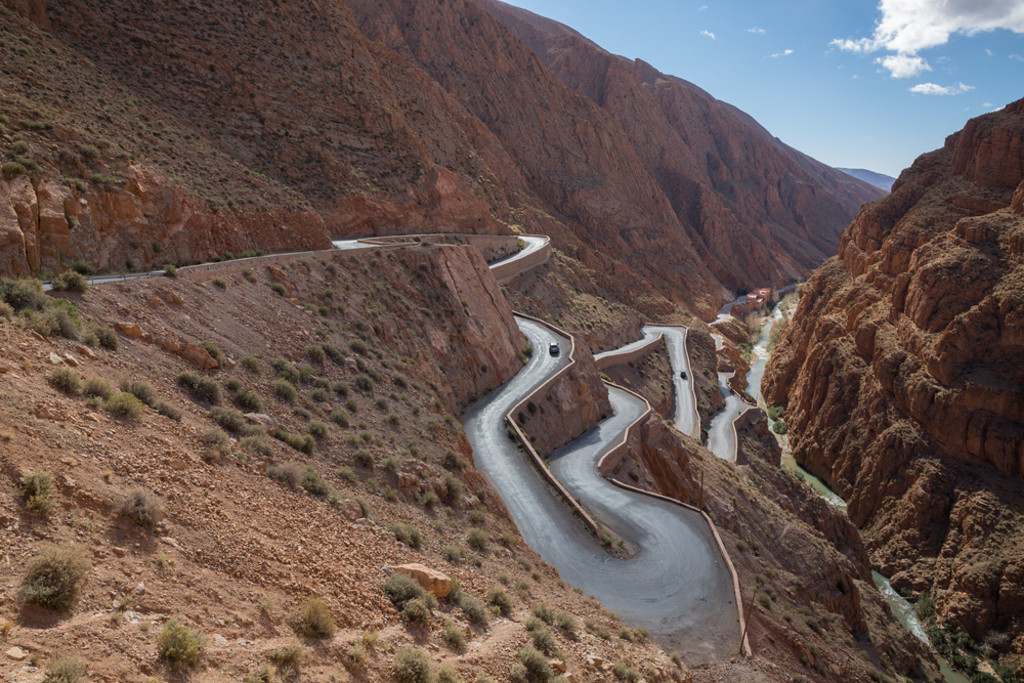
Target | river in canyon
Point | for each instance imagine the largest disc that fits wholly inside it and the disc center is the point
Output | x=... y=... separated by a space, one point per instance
x=901 y=609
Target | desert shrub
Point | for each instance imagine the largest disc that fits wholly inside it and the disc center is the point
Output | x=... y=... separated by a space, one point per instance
x=37 y=487
x=775 y=412
x=402 y=588
x=454 y=554
x=347 y=474
x=251 y=364
x=66 y=380
x=6 y=310
x=168 y=410
x=257 y=445
x=278 y=288
x=217 y=444
x=248 y=400
x=416 y=612
x=317 y=429
x=474 y=611
x=69 y=281
x=12 y=169
x=320 y=395
x=535 y=665
x=340 y=388
x=106 y=338
x=456 y=489
x=304 y=443
x=476 y=517
x=65 y=670
x=23 y=294
x=98 y=387
x=314 y=619
x=446 y=674
x=340 y=417
x=624 y=670
x=409 y=535
x=124 y=405
x=55 y=576
x=543 y=640
x=567 y=623
x=202 y=389
x=316 y=354
x=219 y=283
x=180 y=645
x=390 y=494
x=228 y=418
x=285 y=370
x=363 y=458
x=543 y=612
x=313 y=482
x=285 y=390
x=288 y=655
x=143 y=391
x=477 y=539
x=779 y=426
x=289 y=473
x=454 y=636
x=499 y=599
x=141 y=506
x=411 y=666
x=170 y=270
x=363 y=383
x=453 y=461
x=57 y=318
x=213 y=350
x=233 y=385
x=248 y=275
x=428 y=499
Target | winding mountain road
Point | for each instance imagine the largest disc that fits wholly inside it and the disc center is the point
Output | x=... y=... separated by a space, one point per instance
x=677 y=583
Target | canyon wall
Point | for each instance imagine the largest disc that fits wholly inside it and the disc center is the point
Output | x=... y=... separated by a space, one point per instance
x=901 y=377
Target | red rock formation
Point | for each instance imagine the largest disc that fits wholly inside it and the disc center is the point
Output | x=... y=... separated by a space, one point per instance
x=901 y=375
x=756 y=210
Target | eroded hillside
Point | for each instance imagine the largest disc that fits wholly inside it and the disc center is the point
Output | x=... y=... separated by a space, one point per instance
x=189 y=510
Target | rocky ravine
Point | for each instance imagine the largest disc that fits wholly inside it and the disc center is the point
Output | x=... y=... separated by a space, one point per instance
x=901 y=376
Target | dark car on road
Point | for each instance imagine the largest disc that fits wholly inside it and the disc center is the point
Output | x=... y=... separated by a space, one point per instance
x=553 y=349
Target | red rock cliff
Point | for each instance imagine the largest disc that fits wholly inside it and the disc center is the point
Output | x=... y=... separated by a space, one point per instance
x=901 y=375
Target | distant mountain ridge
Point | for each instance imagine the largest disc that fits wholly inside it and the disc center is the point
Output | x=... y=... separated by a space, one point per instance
x=879 y=180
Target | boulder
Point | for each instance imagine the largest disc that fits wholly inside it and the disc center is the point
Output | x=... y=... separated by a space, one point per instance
x=434 y=581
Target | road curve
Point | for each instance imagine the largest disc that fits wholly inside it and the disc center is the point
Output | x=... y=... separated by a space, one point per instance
x=677 y=584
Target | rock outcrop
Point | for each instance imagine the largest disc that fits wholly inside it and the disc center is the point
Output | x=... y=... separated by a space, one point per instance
x=901 y=375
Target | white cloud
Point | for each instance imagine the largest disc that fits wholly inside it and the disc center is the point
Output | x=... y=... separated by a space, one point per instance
x=708 y=34
x=903 y=66
x=784 y=53
x=1017 y=57
x=757 y=30
x=934 y=89
x=702 y=8
x=989 y=52
x=907 y=27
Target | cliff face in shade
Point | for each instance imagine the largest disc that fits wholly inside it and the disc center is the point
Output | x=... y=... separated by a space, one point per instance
x=902 y=378
x=755 y=209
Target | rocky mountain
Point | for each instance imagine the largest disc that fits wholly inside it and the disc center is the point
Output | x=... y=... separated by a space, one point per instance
x=356 y=118
x=901 y=377
x=879 y=180
x=755 y=209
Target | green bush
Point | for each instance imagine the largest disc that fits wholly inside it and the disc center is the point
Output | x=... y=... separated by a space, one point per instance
x=285 y=370
x=69 y=281
x=219 y=283
x=289 y=473
x=12 y=169
x=217 y=443
x=567 y=623
x=314 y=619
x=228 y=418
x=416 y=612
x=141 y=506
x=474 y=611
x=543 y=640
x=304 y=443
x=180 y=645
x=775 y=412
x=258 y=445
x=98 y=387
x=288 y=655
x=65 y=670
x=317 y=429
x=316 y=354
x=625 y=671
x=251 y=364
x=202 y=389
x=23 y=294
x=55 y=576
x=248 y=400
x=454 y=554
x=168 y=410
x=124 y=405
x=543 y=612
x=285 y=390
x=313 y=482
x=106 y=338
x=363 y=383
x=402 y=588
x=454 y=636
x=535 y=665
x=446 y=674
x=407 y=534
x=453 y=461
x=411 y=666
x=499 y=599
x=477 y=540
x=779 y=426
x=66 y=380
x=340 y=418
x=141 y=390
x=37 y=487
x=213 y=350
x=170 y=270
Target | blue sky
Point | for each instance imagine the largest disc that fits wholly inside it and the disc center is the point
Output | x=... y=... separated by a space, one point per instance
x=854 y=83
